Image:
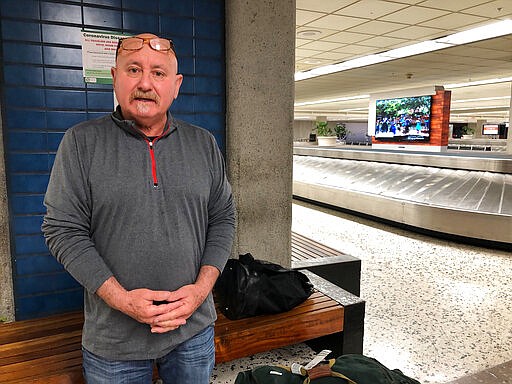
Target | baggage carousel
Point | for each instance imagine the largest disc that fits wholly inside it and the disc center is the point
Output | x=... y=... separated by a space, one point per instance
x=457 y=194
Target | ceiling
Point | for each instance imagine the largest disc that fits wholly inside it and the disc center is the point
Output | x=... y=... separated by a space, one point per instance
x=348 y=29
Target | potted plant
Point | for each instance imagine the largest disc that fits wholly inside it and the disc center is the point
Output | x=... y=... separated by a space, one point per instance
x=467 y=132
x=341 y=131
x=324 y=134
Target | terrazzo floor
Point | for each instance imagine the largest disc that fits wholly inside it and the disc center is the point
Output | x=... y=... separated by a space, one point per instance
x=439 y=311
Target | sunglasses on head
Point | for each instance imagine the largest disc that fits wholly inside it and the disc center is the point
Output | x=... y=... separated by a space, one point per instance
x=136 y=43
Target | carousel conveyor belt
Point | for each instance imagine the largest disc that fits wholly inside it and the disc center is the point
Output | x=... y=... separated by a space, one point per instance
x=468 y=203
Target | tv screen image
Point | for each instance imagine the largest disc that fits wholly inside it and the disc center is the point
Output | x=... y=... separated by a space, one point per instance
x=403 y=119
x=491 y=129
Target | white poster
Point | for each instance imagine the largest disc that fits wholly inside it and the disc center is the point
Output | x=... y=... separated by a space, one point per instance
x=98 y=56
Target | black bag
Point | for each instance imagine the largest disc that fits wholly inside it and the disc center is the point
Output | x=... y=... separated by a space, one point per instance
x=250 y=287
x=346 y=369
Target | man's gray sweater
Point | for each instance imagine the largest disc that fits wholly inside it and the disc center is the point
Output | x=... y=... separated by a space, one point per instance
x=150 y=213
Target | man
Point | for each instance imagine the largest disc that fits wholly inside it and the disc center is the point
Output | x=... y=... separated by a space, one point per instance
x=140 y=212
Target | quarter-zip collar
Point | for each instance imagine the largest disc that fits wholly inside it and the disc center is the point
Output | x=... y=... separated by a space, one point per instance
x=130 y=127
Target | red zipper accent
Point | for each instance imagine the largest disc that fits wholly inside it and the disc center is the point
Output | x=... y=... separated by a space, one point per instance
x=152 y=154
x=153 y=161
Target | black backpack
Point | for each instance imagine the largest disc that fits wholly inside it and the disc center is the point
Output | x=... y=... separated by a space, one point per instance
x=346 y=369
x=250 y=287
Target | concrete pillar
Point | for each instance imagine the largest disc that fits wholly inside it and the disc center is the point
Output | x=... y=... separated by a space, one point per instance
x=6 y=287
x=479 y=128
x=260 y=52
x=509 y=134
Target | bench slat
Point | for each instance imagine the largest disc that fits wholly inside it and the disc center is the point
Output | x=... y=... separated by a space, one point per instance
x=40 y=347
x=31 y=329
x=44 y=366
x=273 y=335
x=304 y=248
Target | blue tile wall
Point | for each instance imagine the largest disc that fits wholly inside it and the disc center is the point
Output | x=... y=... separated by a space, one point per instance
x=22 y=53
x=21 y=30
x=63 y=56
x=140 y=21
x=32 y=306
x=65 y=99
x=61 y=12
x=25 y=204
x=20 y=8
x=35 y=264
x=43 y=94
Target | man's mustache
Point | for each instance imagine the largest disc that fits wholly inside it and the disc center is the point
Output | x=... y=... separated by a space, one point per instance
x=145 y=95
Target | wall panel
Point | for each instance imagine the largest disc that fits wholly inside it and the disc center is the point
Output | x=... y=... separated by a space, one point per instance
x=43 y=94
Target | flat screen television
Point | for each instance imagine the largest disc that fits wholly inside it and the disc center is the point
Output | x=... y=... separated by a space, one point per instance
x=403 y=119
x=491 y=129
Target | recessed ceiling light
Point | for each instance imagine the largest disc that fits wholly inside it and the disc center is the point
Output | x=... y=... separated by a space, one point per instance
x=501 y=28
x=312 y=61
x=308 y=33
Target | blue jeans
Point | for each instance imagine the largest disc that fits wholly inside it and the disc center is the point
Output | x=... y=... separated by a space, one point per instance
x=189 y=363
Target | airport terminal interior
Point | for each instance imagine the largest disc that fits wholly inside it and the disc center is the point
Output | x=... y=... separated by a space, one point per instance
x=436 y=282
x=416 y=184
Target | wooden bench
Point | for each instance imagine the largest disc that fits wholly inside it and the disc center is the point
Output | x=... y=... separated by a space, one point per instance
x=48 y=350
x=337 y=267
x=44 y=350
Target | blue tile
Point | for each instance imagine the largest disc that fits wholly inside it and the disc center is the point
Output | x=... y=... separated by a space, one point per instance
x=183 y=104
x=140 y=21
x=100 y=17
x=209 y=67
x=27 y=141
x=24 y=97
x=209 y=29
x=59 y=34
x=20 y=8
x=186 y=65
x=23 y=75
x=63 y=120
x=61 y=12
x=176 y=26
x=63 y=56
x=26 y=183
x=177 y=8
x=209 y=85
x=184 y=45
x=28 y=265
x=212 y=122
x=96 y=115
x=57 y=77
x=63 y=99
x=209 y=9
x=54 y=139
x=100 y=100
x=25 y=119
x=21 y=30
x=146 y=6
x=22 y=53
x=27 y=204
x=27 y=244
x=41 y=284
x=51 y=160
x=111 y=3
x=220 y=139
x=187 y=86
x=212 y=104
x=27 y=225
x=23 y=162
x=209 y=48
x=31 y=307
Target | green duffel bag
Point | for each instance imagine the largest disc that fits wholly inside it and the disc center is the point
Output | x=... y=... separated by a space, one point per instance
x=346 y=369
